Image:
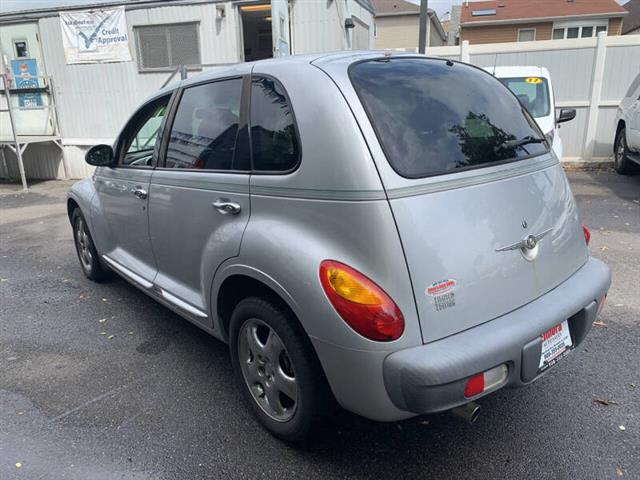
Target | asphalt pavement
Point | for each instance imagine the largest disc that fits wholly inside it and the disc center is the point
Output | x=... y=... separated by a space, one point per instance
x=97 y=381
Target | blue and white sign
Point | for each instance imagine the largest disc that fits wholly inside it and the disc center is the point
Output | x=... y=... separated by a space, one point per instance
x=25 y=72
x=95 y=36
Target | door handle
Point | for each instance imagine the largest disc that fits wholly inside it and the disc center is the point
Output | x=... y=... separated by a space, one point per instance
x=140 y=193
x=226 y=206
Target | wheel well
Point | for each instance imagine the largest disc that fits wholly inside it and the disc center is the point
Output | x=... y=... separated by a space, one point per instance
x=620 y=126
x=237 y=288
x=71 y=206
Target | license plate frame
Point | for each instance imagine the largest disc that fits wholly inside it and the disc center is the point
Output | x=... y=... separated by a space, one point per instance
x=556 y=343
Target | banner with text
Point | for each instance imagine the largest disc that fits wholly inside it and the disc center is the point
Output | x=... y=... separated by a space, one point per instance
x=95 y=36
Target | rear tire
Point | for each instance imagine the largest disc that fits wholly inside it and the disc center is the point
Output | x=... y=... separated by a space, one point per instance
x=621 y=161
x=277 y=370
x=86 y=250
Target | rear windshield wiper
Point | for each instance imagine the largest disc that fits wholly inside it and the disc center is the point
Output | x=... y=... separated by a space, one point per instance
x=509 y=144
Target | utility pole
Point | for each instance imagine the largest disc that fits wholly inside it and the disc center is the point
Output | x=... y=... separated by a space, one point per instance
x=422 y=39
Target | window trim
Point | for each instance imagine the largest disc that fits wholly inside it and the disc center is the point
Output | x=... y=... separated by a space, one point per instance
x=142 y=69
x=520 y=30
x=295 y=129
x=162 y=157
x=438 y=173
x=119 y=148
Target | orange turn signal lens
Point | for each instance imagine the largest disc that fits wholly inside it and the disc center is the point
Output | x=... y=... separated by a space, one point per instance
x=362 y=304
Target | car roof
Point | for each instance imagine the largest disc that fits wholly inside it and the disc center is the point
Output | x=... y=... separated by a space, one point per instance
x=518 y=71
x=230 y=70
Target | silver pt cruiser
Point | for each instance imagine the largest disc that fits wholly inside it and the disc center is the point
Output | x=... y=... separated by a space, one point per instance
x=390 y=232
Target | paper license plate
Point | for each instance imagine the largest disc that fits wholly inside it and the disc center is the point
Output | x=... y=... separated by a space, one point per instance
x=555 y=343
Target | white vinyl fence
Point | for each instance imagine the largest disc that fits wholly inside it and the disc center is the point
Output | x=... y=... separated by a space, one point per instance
x=588 y=74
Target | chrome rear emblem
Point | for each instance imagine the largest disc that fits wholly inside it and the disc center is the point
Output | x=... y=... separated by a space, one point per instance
x=524 y=223
x=528 y=246
x=530 y=242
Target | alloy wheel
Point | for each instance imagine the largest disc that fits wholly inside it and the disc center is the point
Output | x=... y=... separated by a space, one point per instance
x=83 y=244
x=620 y=151
x=267 y=370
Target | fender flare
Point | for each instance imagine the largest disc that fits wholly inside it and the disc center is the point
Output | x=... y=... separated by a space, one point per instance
x=232 y=267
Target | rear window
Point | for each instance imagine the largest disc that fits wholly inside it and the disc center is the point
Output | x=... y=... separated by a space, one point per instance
x=533 y=93
x=434 y=116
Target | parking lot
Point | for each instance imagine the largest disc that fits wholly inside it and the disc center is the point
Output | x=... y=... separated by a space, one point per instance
x=101 y=382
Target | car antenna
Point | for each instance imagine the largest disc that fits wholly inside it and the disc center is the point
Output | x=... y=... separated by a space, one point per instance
x=495 y=61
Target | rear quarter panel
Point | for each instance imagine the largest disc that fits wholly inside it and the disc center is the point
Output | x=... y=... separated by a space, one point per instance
x=332 y=206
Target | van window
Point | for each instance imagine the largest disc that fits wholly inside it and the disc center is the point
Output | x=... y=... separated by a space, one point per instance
x=274 y=144
x=434 y=116
x=205 y=129
x=533 y=93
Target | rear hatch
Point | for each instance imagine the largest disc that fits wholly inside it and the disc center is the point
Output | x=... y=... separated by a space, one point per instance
x=471 y=177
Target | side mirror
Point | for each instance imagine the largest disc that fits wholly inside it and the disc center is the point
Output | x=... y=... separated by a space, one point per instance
x=100 y=156
x=566 y=115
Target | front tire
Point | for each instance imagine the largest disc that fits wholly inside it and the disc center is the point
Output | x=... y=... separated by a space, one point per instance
x=621 y=162
x=277 y=370
x=86 y=250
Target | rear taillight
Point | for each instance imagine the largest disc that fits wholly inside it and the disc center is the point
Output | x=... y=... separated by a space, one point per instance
x=486 y=380
x=587 y=234
x=362 y=304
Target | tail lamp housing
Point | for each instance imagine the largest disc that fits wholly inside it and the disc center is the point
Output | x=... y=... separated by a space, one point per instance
x=362 y=304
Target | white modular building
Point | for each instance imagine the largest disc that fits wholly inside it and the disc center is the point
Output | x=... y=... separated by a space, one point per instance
x=72 y=76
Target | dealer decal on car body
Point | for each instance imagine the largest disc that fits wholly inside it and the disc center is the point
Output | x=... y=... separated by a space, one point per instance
x=442 y=293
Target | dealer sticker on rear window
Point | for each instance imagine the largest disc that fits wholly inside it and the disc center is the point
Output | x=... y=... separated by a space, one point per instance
x=442 y=293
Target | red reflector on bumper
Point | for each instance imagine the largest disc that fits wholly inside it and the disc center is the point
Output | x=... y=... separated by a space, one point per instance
x=474 y=386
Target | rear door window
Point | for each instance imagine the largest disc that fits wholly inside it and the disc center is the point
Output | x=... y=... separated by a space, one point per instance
x=206 y=128
x=433 y=116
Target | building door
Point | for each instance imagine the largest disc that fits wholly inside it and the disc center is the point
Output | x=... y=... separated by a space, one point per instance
x=256 y=31
x=22 y=59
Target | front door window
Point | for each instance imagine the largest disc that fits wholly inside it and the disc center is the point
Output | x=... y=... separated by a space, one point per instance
x=139 y=140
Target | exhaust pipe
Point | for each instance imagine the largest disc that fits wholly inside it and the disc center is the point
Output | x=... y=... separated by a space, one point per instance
x=468 y=412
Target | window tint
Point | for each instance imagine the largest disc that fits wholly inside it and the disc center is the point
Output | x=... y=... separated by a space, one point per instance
x=433 y=116
x=205 y=129
x=273 y=134
x=141 y=134
x=533 y=93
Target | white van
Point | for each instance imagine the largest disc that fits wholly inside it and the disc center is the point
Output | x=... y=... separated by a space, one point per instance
x=533 y=87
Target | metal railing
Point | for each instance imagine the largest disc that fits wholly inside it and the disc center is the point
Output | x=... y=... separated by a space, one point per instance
x=18 y=143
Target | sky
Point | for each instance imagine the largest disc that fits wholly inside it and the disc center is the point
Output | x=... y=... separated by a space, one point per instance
x=440 y=6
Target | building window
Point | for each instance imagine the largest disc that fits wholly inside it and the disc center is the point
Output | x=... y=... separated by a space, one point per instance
x=165 y=47
x=526 y=34
x=575 y=30
x=587 y=32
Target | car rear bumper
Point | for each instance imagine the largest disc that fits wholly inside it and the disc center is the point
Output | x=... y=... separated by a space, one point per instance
x=431 y=378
